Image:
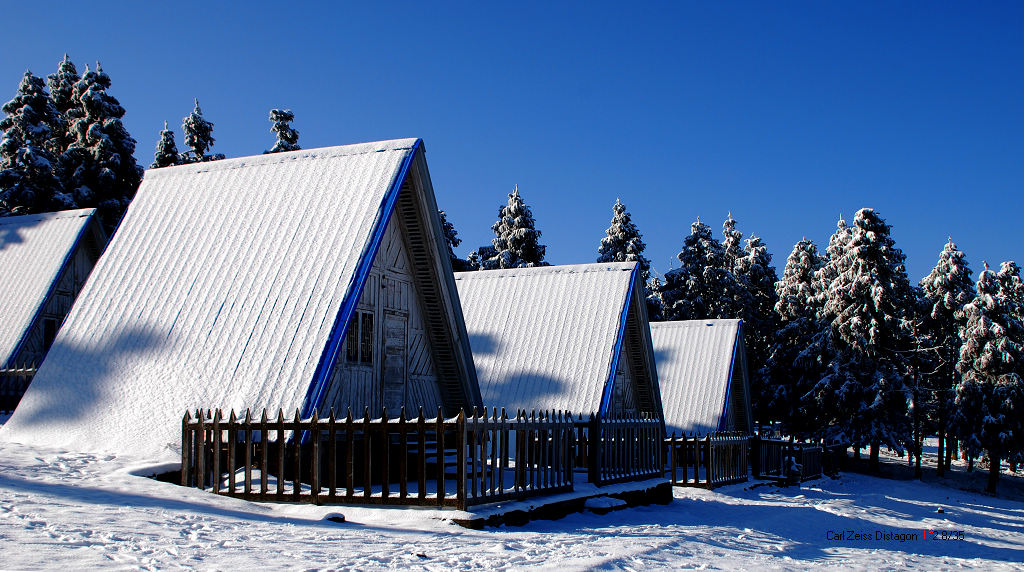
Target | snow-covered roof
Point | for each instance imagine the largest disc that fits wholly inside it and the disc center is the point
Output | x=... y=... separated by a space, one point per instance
x=695 y=364
x=33 y=251
x=545 y=338
x=226 y=285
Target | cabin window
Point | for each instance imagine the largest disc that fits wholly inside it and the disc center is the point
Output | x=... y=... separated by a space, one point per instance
x=352 y=340
x=359 y=338
x=49 y=333
x=366 y=338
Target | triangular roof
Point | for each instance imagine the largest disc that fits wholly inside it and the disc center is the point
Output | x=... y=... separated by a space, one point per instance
x=34 y=250
x=700 y=363
x=550 y=337
x=228 y=284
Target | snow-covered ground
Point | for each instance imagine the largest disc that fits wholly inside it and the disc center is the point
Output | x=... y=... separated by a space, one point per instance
x=82 y=511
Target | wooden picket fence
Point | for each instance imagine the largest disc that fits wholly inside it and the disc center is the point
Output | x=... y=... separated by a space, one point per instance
x=619 y=449
x=711 y=461
x=13 y=383
x=456 y=462
x=770 y=458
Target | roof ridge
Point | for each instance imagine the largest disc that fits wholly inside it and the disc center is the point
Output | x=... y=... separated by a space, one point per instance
x=266 y=159
x=584 y=268
x=53 y=215
x=696 y=323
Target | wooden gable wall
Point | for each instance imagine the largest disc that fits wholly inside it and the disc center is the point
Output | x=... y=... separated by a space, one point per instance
x=635 y=390
x=401 y=369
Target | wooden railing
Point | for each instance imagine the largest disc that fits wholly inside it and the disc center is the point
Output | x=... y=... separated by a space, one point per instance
x=616 y=450
x=771 y=458
x=715 y=460
x=458 y=462
x=13 y=383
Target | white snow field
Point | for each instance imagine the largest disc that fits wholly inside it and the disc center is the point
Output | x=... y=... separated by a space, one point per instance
x=61 y=509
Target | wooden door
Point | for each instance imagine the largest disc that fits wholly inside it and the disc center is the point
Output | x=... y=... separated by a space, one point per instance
x=394 y=368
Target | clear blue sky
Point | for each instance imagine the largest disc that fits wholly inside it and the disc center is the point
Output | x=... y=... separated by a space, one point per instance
x=785 y=113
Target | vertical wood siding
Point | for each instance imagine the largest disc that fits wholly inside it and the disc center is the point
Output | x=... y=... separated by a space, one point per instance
x=390 y=296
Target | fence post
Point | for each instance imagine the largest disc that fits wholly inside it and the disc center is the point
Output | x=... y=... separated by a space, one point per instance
x=385 y=461
x=264 y=458
x=248 y=451
x=594 y=454
x=707 y=459
x=232 y=427
x=186 y=445
x=460 y=456
x=314 y=476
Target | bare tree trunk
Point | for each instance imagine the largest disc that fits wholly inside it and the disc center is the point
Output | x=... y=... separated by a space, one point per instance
x=918 y=447
x=940 y=462
x=873 y=462
x=993 y=472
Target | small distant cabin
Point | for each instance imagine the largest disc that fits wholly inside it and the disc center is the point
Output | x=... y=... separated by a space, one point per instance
x=45 y=260
x=310 y=280
x=564 y=338
x=702 y=368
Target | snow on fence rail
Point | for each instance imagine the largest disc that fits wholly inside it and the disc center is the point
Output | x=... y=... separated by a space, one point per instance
x=770 y=458
x=715 y=460
x=13 y=383
x=616 y=450
x=458 y=462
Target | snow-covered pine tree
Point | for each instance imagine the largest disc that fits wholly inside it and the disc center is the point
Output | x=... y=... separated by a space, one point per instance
x=99 y=165
x=795 y=291
x=517 y=241
x=867 y=304
x=655 y=301
x=624 y=243
x=790 y=374
x=701 y=287
x=482 y=258
x=732 y=243
x=198 y=134
x=28 y=167
x=166 y=150
x=451 y=236
x=287 y=138
x=829 y=269
x=62 y=86
x=753 y=269
x=62 y=93
x=947 y=288
x=990 y=395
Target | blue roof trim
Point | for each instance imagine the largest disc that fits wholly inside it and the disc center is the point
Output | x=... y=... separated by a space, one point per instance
x=728 y=382
x=609 y=384
x=53 y=285
x=316 y=393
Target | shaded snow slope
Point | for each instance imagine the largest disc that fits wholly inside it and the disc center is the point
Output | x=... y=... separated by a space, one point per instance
x=80 y=510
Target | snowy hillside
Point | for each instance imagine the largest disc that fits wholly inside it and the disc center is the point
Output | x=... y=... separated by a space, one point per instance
x=65 y=508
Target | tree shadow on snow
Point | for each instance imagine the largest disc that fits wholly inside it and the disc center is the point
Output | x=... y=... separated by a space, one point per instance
x=72 y=382
x=798 y=523
x=116 y=499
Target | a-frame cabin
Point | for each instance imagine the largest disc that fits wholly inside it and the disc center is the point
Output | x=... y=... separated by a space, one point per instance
x=702 y=365
x=565 y=338
x=45 y=260
x=306 y=280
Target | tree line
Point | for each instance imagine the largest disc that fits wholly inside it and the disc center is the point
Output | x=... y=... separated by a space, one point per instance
x=64 y=145
x=843 y=347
